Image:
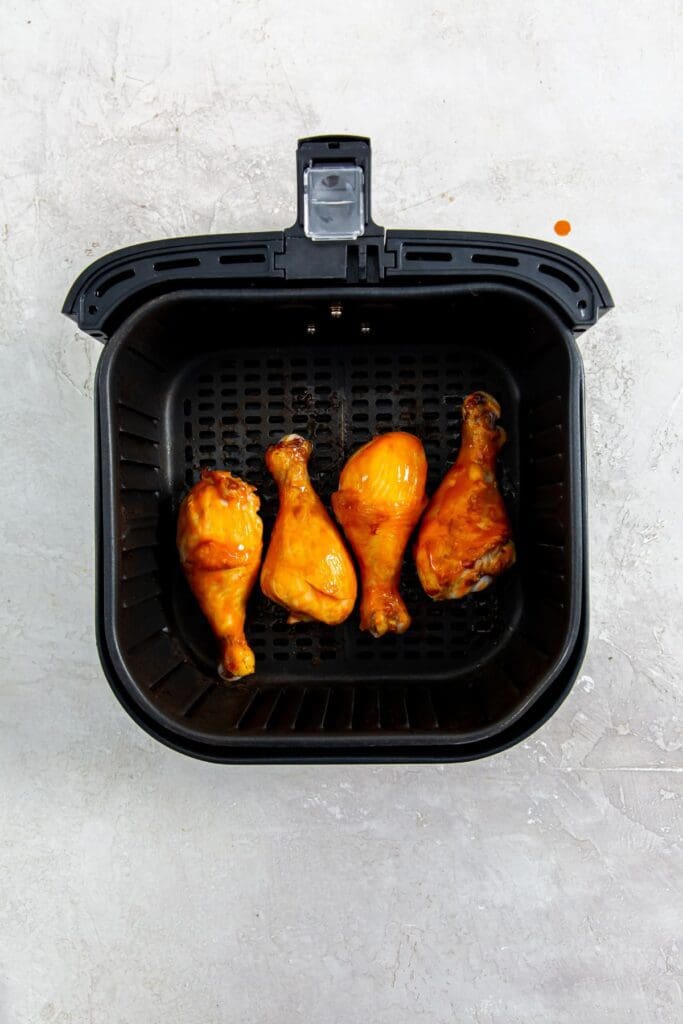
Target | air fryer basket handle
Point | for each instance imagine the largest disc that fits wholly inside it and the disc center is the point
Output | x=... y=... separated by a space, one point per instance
x=328 y=150
x=115 y=286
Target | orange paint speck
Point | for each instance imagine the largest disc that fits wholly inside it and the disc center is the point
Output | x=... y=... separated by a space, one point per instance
x=562 y=227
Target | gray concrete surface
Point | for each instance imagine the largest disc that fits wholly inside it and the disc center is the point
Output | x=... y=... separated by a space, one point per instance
x=139 y=886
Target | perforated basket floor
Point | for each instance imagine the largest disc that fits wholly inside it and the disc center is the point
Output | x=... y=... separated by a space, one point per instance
x=229 y=409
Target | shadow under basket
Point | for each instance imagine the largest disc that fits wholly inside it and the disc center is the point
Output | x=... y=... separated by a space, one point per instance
x=206 y=375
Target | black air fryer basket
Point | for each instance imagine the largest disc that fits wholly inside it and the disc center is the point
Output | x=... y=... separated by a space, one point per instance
x=217 y=346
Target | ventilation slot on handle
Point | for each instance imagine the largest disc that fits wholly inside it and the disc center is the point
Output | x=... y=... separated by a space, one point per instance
x=112 y=281
x=231 y=258
x=559 y=275
x=181 y=264
x=429 y=256
x=494 y=260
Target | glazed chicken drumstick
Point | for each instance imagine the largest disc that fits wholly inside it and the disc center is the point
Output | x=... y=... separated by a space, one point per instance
x=465 y=537
x=307 y=568
x=380 y=498
x=220 y=541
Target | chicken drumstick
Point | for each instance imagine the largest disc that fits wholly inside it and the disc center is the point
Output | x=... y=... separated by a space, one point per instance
x=465 y=538
x=380 y=498
x=307 y=568
x=220 y=540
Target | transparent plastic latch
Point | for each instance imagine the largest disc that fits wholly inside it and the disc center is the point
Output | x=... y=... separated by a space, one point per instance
x=333 y=202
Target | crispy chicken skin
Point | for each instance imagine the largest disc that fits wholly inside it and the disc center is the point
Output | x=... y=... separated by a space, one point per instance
x=465 y=537
x=220 y=539
x=380 y=499
x=307 y=568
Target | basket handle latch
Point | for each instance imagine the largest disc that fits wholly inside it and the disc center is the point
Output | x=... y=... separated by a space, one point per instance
x=334 y=237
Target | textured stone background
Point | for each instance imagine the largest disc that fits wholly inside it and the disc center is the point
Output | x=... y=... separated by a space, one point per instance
x=541 y=885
